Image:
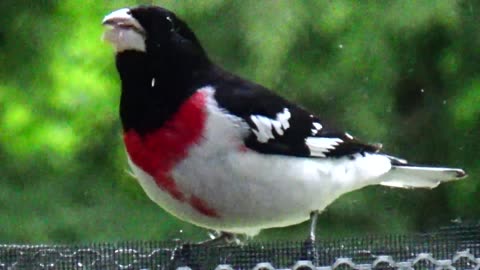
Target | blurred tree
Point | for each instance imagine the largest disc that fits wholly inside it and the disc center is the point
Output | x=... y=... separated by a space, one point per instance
x=401 y=72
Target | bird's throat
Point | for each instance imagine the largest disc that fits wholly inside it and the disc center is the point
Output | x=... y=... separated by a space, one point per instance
x=153 y=89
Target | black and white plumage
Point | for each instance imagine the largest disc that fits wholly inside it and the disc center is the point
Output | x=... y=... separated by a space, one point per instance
x=278 y=126
x=224 y=153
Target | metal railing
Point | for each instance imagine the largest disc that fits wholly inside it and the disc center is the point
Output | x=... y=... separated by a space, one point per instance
x=451 y=248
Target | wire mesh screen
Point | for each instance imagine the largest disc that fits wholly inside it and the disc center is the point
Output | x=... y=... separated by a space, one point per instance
x=456 y=247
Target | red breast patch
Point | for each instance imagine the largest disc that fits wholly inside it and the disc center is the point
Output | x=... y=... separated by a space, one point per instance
x=158 y=152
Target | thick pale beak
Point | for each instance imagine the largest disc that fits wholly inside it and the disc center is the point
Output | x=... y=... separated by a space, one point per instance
x=122 y=18
x=124 y=32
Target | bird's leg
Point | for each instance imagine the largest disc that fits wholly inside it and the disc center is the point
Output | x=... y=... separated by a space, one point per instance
x=222 y=238
x=313 y=225
x=309 y=248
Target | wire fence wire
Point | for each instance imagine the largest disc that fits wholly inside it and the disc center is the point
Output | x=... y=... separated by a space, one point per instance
x=455 y=247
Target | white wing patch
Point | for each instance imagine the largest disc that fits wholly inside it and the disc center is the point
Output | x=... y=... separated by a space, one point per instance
x=319 y=146
x=316 y=128
x=266 y=125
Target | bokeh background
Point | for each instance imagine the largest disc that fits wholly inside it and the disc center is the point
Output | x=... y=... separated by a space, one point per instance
x=404 y=73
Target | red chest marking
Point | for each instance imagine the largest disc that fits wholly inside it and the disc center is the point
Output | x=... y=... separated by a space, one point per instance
x=158 y=152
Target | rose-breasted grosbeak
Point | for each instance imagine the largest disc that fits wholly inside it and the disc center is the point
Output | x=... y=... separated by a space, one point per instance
x=225 y=153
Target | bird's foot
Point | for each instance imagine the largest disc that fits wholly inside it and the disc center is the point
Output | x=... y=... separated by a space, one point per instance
x=183 y=252
x=309 y=251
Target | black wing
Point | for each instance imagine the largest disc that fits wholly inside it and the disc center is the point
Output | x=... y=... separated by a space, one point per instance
x=278 y=126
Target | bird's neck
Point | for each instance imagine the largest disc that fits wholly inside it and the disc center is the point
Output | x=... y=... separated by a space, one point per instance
x=154 y=87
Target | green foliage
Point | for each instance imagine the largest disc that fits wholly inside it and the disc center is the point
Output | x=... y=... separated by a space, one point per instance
x=401 y=72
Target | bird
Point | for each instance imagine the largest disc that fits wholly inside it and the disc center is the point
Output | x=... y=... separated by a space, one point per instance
x=225 y=153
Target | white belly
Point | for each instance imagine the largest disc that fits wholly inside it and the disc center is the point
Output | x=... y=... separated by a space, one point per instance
x=252 y=191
